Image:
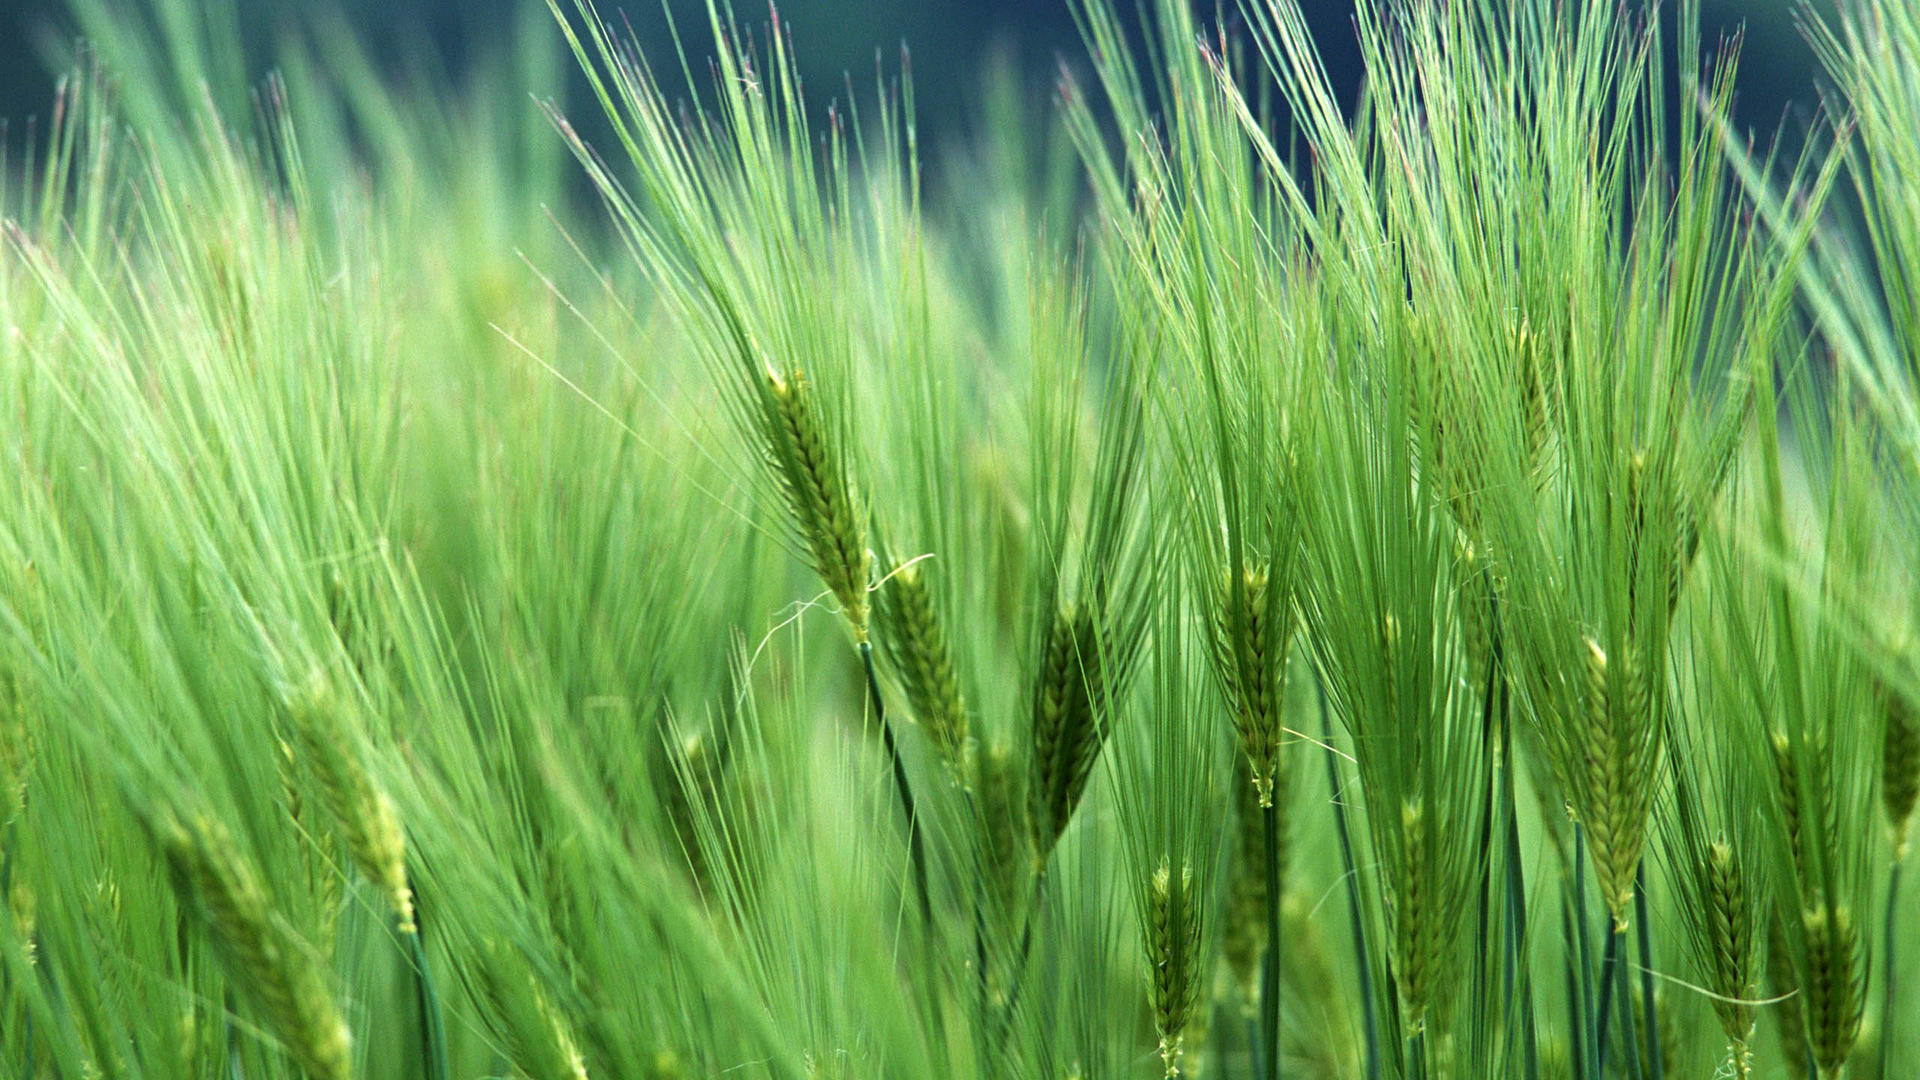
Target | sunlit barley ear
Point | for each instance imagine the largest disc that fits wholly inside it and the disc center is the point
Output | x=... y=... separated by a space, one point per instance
x=1530 y=358
x=1067 y=728
x=1173 y=957
x=1617 y=799
x=1475 y=609
x=362 y=813
x=1835 y=985
x=915 y=641
x=819 y=493
x=665 y=1065
x=274 y=968
x=1251 y=638
x=571 y=1063
x=1899 y=766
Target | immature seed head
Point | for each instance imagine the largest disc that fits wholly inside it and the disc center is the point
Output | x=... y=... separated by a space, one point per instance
x=916 y=641
x=271 y=963
x=1416 y=934
x=1251 y=637
x=1004 y=857
x=1069 y=694
x=1173 y=957
x=24 y=910
x=819 y=494
x=360 y=811
x=1790 y=1008
x=1835 y=990
x=1787 y=785
x=16 y=749
x=1732 y=949
x=1618 y=745
x=1899 y=767
x=1003 y=832
x=538 y=1038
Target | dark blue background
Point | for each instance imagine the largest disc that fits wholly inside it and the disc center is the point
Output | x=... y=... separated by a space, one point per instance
x=951 y=41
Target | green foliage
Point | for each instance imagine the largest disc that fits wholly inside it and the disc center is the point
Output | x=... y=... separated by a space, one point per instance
x=425 y=596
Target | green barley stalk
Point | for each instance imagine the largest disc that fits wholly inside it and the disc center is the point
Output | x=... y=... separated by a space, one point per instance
x=1172 y=768
x=267 y=957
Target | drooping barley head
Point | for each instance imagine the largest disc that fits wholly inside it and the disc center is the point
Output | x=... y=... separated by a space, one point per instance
x=1068 y=728
x=274 y=968
x=819 y=493
x=916 y=642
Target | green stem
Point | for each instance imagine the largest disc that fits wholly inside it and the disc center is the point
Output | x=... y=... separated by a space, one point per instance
x=1358 y=920
x=1253 y=1047
x=1609 y=965
x=915 y=848
x=1583 y=938
x=1520 y=972
x=1577 y=1015
x=1629 y=1041
x=433 y=1032
x=1416 y=1051
x=1644 y=928
x=1887 y=1025
x=1270 y=967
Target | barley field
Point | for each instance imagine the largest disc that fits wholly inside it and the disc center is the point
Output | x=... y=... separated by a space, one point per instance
x=1228 y=582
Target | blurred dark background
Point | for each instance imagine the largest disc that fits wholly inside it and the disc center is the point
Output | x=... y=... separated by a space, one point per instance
x=951 y=42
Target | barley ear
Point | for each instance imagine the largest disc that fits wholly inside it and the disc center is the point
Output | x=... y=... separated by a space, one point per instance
x=1416 y=938
x=1003 y=831
x=1067 y=728
x=362 y=813
x=1615 y=814
x=1790 y=1007
x=1730 y=933
x=1173 y=957
x=690 y=793
x=1899 y=766
x=916 y=642
x=1004 y=854
x=1834 y=986
x=16 y=749
x=267 y=958
x=819 y=493
x=1251 y=640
